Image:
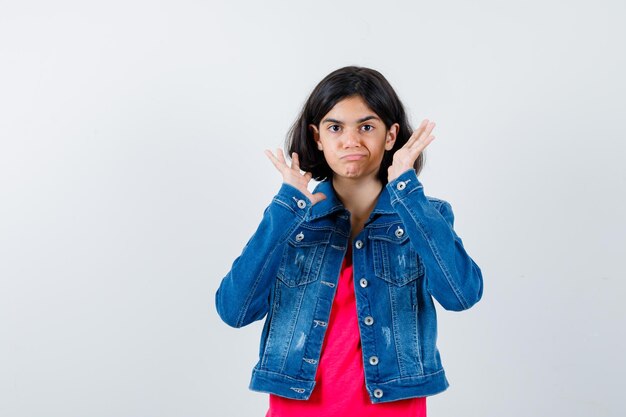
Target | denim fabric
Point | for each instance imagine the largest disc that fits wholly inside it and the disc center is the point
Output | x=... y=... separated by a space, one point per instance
x=407 y=254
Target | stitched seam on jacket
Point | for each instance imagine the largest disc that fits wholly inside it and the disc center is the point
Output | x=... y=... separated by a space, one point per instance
x=244 y=308
x=410 y=377
x=282 y=375
x=292 y=328
x=396 y=330
x=433 y=248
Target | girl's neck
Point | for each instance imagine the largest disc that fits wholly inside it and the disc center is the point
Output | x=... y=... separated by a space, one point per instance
x=359 y=196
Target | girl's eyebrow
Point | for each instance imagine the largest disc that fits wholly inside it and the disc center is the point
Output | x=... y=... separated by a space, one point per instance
x=361 y=120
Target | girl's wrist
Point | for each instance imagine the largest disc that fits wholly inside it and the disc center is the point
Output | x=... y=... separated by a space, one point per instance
x=395 y=172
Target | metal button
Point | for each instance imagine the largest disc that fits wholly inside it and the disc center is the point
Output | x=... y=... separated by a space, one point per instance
x=401 y=185
x=378 y=393
x=299 y=237
x=301 y=204
x=359 y=244
x=374 y=360
x=363 y=282
x=369 y=320
x=399 y=232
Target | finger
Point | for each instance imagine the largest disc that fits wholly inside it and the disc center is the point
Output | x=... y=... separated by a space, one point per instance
x=295 y=162
x=419 y=147
x=412 y=139
x=317 y=197
x=281 y=157
x=274 y=160
x=423 y=124
x=270 y=156
x=416 y=133
x=425 y=135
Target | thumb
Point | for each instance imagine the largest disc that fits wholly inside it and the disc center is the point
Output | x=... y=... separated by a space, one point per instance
x=317 y=197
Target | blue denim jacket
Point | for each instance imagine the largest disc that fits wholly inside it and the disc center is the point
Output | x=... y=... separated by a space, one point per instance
x=406 y=254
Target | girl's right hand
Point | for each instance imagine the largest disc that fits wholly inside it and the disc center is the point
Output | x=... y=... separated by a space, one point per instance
x=292 y=176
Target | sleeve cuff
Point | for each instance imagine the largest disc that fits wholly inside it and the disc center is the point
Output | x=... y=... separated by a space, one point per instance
x=404 y=184
x=294 y=199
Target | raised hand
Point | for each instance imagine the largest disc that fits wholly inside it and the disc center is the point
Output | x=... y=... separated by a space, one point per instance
x=404 y=158
x=292 y=176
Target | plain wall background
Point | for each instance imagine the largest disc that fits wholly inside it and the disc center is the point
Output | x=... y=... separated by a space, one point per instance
x=132 y=173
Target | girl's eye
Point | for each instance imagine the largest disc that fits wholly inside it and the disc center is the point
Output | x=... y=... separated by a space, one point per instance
x=336 y=128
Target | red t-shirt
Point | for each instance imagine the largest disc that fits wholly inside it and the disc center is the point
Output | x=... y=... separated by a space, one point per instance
x=340 y=388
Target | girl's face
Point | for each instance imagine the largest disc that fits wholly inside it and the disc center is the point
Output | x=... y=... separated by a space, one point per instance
x=354 y=139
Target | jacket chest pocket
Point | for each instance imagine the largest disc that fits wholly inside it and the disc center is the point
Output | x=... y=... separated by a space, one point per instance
x=302 y=256
x=395 y=260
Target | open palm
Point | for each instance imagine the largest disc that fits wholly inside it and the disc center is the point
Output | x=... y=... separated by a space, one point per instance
x=405 y=157
x=291 y=174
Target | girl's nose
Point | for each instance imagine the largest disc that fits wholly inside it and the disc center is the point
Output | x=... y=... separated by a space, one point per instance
x=352 y=139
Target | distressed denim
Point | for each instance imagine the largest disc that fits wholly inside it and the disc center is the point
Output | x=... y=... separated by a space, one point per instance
x=407 y=254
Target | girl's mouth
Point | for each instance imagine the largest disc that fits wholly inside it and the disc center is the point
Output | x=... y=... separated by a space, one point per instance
x=353 y=157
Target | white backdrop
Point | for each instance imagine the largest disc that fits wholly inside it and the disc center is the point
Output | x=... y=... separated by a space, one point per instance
x=132 y=173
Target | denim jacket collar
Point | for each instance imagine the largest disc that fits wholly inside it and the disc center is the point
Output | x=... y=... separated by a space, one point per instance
x=332 y=202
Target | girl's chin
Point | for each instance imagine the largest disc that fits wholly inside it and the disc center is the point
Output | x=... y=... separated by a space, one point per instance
x=353 y=174
x=352 y=171
x=349 y=170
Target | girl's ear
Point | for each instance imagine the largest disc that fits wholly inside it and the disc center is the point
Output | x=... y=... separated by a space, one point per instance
x=316 y=136
x=392 y=133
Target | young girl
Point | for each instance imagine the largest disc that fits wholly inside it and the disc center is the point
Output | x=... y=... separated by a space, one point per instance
x=345 y=275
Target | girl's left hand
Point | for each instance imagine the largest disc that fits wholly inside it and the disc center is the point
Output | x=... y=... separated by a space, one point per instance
x=405 y=157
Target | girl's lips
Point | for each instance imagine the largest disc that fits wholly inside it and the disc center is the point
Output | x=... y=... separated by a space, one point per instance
x=353 y=157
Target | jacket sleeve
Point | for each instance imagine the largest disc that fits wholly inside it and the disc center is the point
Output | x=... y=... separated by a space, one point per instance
x=243 y=294
x=453 y=278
